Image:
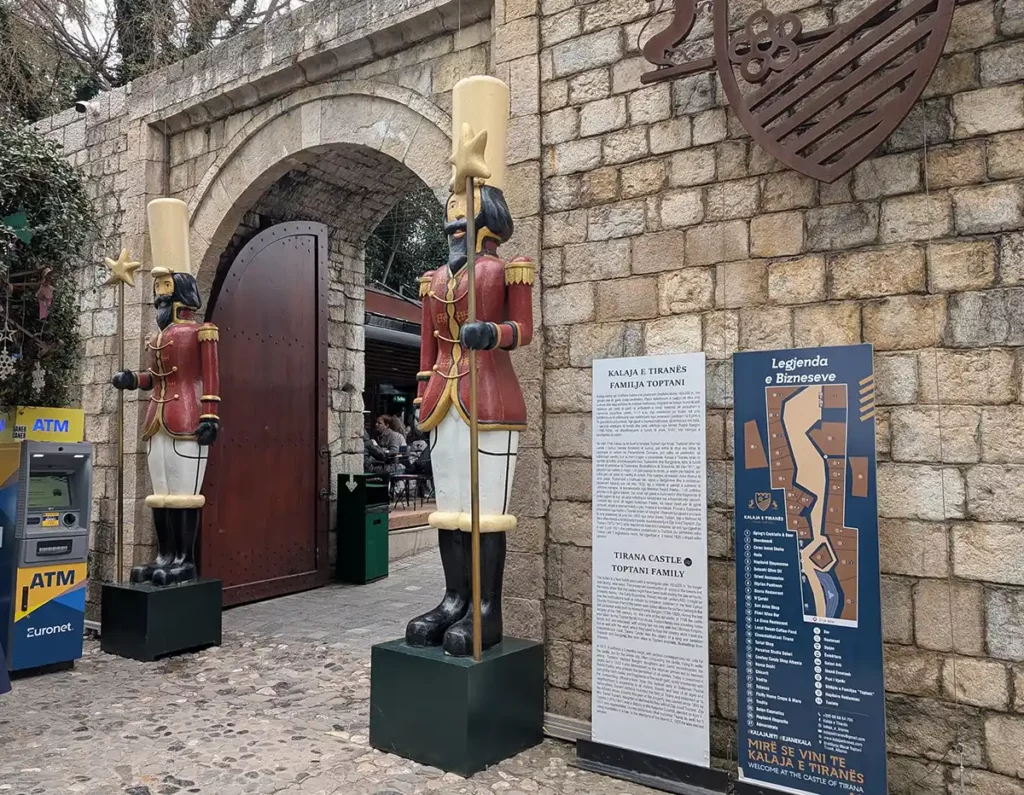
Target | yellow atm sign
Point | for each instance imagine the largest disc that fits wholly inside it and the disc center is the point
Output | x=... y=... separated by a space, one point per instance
x=40 y=424
x=41 y=584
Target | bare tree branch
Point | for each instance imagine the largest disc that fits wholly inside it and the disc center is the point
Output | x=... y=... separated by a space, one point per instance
x=242 y=18
x=70 y=47
x=272 y=9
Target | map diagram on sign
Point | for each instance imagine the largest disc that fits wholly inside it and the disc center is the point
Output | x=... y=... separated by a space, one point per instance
x=807 y=429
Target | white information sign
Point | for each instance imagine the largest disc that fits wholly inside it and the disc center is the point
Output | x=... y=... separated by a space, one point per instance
x=650 y=571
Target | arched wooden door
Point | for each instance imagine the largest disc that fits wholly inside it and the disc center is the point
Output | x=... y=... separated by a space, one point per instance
x=265 y=522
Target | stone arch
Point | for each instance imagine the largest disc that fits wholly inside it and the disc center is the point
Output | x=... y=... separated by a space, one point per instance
x=294 y=131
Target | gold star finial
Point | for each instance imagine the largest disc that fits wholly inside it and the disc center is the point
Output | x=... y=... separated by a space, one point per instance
x=122 y=269
x=469 y=158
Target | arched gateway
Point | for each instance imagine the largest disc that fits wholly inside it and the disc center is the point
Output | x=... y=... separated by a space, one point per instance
x=300 y=128
x=279 y=222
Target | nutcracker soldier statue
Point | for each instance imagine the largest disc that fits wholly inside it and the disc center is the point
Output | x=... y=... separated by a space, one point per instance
x=182 y=381
x=459 y=323
x=427 y=701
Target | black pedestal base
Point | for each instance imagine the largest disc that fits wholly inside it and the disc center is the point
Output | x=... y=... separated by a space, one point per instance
x=655 y=772
x=144 y=622
x=452 y=713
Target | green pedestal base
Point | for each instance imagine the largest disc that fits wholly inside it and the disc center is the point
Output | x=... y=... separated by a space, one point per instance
x=452 y=713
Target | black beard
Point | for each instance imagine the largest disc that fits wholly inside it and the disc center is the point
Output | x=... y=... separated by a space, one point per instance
x=457 y=254
x=457 y=251
x=164 y=310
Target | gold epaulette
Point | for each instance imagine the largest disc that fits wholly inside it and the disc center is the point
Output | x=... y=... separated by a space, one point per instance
x=425 y=283
x=208 y=333
x=521 y=270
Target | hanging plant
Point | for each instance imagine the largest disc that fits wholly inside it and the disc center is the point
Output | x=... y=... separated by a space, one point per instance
x=45 y=221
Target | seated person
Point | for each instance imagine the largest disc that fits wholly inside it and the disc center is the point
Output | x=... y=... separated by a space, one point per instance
x=381 y=455
x=396 y=425
x=388 y=438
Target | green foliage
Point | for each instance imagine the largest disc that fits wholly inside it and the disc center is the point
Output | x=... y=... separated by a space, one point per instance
x=46 y=221
x=409 y=241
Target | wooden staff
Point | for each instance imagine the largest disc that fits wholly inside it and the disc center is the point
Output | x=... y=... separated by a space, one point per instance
x=122 y=272
x=480 y=129
x=474 y=423
x=120 y=434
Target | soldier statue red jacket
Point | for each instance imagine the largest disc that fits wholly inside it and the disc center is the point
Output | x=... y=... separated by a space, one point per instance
x=183 y=376
x=504 y=299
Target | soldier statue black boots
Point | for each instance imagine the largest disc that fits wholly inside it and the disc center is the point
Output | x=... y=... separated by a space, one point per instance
x=165 y=548
x=185 y=528
x=429 y=629
x=458 y=640
x=451 y=623
x=176 y=532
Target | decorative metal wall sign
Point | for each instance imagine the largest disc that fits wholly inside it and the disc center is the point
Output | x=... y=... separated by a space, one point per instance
x=819 y=101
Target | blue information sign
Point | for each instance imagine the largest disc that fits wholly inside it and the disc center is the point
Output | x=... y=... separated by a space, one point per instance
x=809 y=625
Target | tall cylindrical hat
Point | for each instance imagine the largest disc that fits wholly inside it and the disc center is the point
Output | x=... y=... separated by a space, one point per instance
x=481 y=103
x=168 y=236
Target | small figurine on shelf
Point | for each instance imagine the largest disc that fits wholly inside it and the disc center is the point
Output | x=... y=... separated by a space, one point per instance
x=44 y=293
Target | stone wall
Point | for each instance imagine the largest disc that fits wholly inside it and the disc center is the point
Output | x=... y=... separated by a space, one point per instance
x=666 y=229
x=515 y=59
x=97 y=143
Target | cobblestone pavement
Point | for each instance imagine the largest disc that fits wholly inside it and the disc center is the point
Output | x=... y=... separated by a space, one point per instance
x=351 y=617
x=260 y=714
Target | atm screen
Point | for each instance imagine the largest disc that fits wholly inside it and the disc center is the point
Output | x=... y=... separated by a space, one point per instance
x=50 y=490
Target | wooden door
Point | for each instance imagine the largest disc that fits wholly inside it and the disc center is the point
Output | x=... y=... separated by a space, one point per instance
x=265 y=522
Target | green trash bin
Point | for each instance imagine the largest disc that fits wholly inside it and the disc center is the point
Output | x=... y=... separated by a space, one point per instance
x=362 y=531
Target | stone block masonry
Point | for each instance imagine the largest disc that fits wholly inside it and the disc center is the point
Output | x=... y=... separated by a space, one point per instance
x=672 y=231
x=514 y=58
x=98 y=143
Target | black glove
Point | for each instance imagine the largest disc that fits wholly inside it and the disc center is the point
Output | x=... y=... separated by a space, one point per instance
x=125 y=379
x=206 y=433
x=479 y=336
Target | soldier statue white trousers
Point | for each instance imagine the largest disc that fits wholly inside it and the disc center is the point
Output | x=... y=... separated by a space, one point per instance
x=177 y=468
x=449 y=458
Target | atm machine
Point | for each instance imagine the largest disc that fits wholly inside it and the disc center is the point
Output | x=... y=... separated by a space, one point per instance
x=45 y=509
